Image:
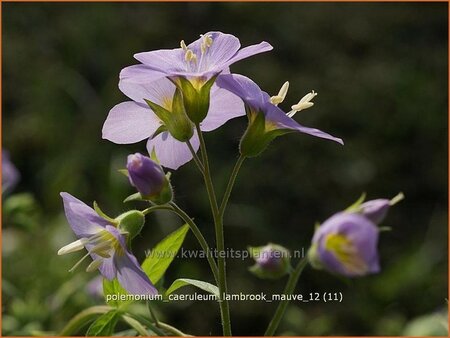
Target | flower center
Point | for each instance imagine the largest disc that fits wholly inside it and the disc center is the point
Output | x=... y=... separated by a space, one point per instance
x=344 y=250
x=103 y=244
x=196 y=62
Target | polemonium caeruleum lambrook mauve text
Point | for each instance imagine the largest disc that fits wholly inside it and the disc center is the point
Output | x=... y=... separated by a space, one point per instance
x=177 y=95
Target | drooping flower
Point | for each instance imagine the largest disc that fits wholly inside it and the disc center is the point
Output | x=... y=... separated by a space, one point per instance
x=266 y=120
x=106 y=245
x=346 y=244
x=148 y=178
x=271 y=261
x=193 y=68
x=133 y=121
x=10 y=175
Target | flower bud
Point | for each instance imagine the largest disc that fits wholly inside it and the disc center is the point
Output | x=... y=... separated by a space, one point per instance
x=132 y=222
x=346 y=244
x=149 y=179
x=272 y=261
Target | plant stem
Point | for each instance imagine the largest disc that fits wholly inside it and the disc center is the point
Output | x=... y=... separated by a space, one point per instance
x=198 y=234
x=230 y=185
x=288 y=290
x=200 y=238
x=220 y=242
x=82 y=318
x=195 y=157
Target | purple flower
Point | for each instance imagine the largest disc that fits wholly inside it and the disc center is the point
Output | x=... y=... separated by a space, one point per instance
x=10 y=175
x=267 y=121
x=376 y=210
x=272 y=261
x=346 y=244
x=133 y=121
x=209 y=55
x=106 y=245
x=145 y=175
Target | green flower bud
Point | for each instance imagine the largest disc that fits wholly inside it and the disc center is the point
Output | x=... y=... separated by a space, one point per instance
x=132 y=222
x=272 y=261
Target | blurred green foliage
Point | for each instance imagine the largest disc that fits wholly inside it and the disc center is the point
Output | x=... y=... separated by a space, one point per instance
x=381 y=74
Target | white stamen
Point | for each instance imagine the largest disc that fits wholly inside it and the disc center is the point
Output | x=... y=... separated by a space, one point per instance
x=277 y=99
x=304 y=103
x=73 y=247
x=79 y=262
x=397 y=199
x=183 y=45
x=94 y=265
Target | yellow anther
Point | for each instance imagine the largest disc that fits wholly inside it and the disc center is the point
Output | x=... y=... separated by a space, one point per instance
x=183 y=45
x=277 y=99
x=94 y=265
x=304 y=103
x=190 y=56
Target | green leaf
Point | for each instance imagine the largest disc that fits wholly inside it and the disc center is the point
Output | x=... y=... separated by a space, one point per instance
x=156 y=264
x=135 y=325
x=208 y=287
x=104 y=325
x=113 y=288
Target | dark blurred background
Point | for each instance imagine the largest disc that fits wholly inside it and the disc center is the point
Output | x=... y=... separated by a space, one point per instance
x=381 y=74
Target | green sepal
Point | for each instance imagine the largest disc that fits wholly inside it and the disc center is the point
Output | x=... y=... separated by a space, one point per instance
x=124 y=172
x=196 y=101
x=256 y=138
x=132 y=222
x=355 y=207
x=134 y=197
x=103 y=215
x=176 y=121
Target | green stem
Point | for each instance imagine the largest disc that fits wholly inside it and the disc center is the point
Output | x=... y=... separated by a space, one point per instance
x=198 y=234
x=230 y=185
x=196 y=159
x=288 y=290
x=220 y=242
x=174 y=331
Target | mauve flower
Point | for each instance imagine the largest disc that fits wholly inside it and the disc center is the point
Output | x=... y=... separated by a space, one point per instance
x=106 y=245
x=346 y=244
x=133 y=121
x=209 y=55
x=275 y=121
x=10 y=175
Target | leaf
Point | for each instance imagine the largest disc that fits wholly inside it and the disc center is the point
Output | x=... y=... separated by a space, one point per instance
x=113 y=288
x=208 y=287
x=104 y=325
x=156 y=264
x=102 y=214
x=135 y=325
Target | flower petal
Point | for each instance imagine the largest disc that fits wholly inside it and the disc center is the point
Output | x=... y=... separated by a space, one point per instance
x=250 y=51
x=83 y=220
x=224 y=46
x=129 y=122
x=158 y=91
x=243 y=87
x=223 y=106
x=107 y=269
x=276 y=115
x=140 y=74
x=129 y=273
x=164 y=60
x=170 y=152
